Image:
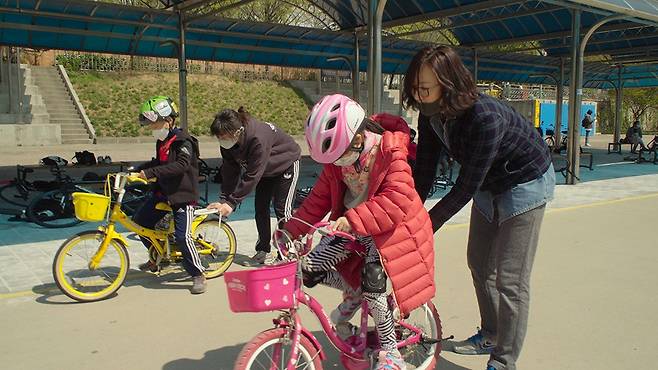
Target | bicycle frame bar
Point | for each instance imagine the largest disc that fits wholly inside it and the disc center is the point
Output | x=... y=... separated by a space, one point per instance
x=325 y=322
x=355 y=352
x=98 y=256
x=155 y=236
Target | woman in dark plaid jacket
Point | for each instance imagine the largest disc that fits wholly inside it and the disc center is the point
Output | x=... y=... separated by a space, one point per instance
x=505 y=167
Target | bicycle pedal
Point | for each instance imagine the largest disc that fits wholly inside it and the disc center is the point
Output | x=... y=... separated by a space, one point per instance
x=444 y=339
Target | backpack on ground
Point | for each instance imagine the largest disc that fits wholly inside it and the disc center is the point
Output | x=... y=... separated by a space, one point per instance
x=85 y=158
x=54 y=161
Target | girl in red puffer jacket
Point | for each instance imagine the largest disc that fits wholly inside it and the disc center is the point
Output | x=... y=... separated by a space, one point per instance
x=367 y=188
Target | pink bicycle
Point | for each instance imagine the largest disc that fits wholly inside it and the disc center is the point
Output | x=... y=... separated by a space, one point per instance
x=289 y=345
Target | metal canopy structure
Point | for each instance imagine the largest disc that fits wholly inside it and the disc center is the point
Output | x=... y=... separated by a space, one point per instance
x=622 y=36
x=112 y=28
x=486 y=23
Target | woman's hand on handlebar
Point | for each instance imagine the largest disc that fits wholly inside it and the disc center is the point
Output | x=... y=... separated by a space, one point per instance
x=223 y=208
x=341 y=224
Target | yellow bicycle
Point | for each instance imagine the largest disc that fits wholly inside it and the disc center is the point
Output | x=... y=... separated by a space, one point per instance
x=92 y=265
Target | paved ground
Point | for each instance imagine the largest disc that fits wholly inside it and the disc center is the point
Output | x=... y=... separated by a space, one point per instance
x=592 y=308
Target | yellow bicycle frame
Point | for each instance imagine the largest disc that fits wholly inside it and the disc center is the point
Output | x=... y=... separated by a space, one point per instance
x=158 y=238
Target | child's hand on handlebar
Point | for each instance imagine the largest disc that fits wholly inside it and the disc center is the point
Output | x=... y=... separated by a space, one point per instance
x=341 y=224
x=223 y=208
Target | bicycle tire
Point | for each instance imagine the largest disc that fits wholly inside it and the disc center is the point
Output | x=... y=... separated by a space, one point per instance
x=10 y=194
x=423 y=356
x=220 y=259
x=65 y=254
x=53 y=209
x=309 y=357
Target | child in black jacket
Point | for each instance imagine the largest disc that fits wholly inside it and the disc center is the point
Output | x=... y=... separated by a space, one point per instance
x=176 y=169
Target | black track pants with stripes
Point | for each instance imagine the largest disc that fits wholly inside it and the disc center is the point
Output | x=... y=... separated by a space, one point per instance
x=281 y=190
x=183 y=217
x=148 y=216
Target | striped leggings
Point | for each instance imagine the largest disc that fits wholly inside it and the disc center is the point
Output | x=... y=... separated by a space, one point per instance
x=324 y=257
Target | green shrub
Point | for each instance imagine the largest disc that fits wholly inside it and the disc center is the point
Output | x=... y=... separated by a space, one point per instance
x=112 y=100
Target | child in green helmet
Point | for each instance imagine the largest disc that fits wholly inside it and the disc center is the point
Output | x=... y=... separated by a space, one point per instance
x=176 y=169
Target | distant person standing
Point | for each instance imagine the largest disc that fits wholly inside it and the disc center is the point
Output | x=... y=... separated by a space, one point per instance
x=588 y=122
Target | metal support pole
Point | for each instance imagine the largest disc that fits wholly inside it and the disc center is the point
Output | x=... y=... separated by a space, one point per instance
x=2 y=65
x=375 y=12
x=575 y=89
x=319 y=81
x=19 y=78
x=182 y=72
x=3 y=70
x=575 y=153
x=400 y=86
x=356 y=71
x=618 y=104
x=349 y=66
x=558 y=106
x=10 y=83
x=475 y=65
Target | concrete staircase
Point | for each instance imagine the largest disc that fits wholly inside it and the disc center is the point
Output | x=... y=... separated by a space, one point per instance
x=34 y=110
x=60 y=105
x=390 y=98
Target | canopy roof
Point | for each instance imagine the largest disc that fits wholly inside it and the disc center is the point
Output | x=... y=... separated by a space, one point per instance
x=111 y=28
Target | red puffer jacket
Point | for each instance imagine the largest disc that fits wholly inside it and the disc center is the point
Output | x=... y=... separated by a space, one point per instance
x=393 y=215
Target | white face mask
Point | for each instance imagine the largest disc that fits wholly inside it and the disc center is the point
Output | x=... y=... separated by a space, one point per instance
x=347 y=159
x=228 y=143
x=160 y=134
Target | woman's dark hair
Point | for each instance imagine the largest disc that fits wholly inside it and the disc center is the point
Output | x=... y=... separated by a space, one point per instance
x=229 y=121
x=458 y=89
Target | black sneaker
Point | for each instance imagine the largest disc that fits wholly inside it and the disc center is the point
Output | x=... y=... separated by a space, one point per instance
x=148 y=266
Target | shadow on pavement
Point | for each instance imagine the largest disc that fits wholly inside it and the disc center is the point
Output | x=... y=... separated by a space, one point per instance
x=171 y=278
x=218 y=359
x=224 y=358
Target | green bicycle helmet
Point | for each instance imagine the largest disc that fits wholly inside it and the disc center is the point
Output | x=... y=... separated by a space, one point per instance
x=157 y=108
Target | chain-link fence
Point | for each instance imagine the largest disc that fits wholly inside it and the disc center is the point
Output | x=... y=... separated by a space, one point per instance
x=79 y=61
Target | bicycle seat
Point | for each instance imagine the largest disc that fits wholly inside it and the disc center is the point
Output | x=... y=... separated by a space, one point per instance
x=161 y=206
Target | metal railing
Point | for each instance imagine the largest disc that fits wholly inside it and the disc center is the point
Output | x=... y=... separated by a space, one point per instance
x=74 y=61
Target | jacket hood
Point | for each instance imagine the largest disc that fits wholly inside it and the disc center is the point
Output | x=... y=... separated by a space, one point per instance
x=396 y=136
x=391 y=123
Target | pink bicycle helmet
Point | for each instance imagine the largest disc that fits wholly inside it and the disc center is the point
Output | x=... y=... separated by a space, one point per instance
x=331 y=126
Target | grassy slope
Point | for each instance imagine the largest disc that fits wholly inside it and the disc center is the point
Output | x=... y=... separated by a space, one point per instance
x=112 y=100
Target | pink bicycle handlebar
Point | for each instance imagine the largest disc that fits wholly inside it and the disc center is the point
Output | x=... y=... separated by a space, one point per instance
x=320 y=228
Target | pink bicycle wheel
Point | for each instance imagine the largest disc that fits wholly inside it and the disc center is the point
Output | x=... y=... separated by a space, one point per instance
x=271 y=349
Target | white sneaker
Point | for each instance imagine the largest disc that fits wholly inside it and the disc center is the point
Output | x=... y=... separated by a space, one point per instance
x=271 y=257
x=588 y=144
x=344 y=327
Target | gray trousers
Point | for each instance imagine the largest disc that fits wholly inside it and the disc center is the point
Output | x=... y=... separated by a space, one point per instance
x=500 y=258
